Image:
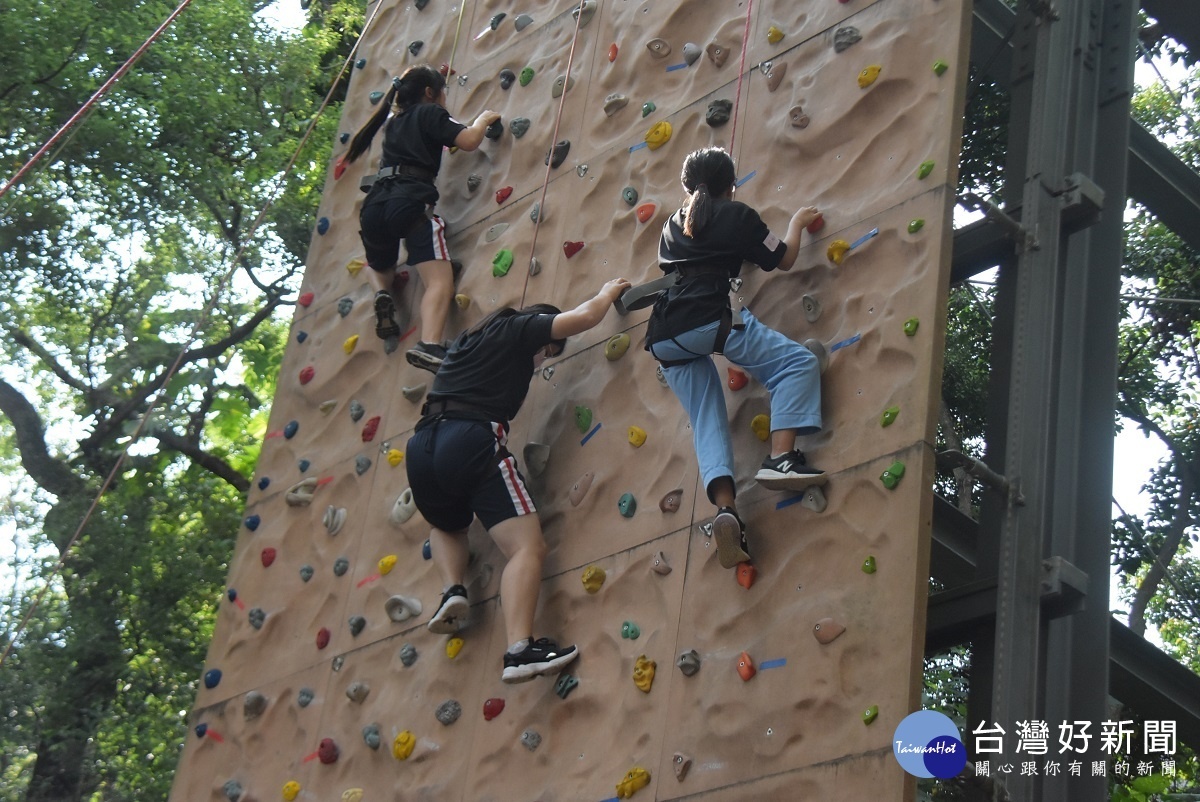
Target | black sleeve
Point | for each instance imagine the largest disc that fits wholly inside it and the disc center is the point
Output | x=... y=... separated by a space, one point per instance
x=535 y=331
x=441 y=127
x=758 y=244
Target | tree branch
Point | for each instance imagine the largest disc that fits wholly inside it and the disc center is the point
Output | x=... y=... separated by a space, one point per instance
x=51 y=474
x=27 y=342
x=193 y=451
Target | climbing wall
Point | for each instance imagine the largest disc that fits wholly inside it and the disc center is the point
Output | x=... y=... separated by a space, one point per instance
x=783 y=682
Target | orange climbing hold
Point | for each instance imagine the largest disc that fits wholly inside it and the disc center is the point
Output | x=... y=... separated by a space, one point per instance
x=646 y=211
x=612 y=52
x=816 y=225
x=746 y=574
x=737 y=379
x=745 y=667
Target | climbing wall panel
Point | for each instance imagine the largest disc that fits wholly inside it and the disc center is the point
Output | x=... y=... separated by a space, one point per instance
x=833 y=617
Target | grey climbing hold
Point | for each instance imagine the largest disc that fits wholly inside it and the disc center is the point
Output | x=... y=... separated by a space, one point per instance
x=688 y=662
x=253 y=705
x=357 y=623
x=518 y=126
x=413 y=394
x=565 y=684
x=535 y=266
x=845 y=37
x=537 y=456
x=408 y=654
x=357 y=691
x=494 y=130
x=357 y=410
x=404 y=508
x=691 y=53
x=420 y=4
x=659 y=48
x=496 y=19
x=548 y=372
x=531 y=740
x=814 y=499
x=391 y=344
x=614 y=103
x=448 y=712
x=629 y=195
x=584 y=12
x=658 y=373
x=522 y=22
x=370 y=735
x=581 y=170
x=257 y=616
x=340 y=566
x=797 y=117
x=507 y=78
x=335 y=518
x=561 y=84
x=558 y=154
x=362 y=464
x=819 y=351
x=535 y=212
x=232 y=790
x=301 y=493
x=415 y=46
x=306 y=572
x=337 y=662
x=717 y=53
x=304 y=697
x=375 y=97
x=718 y=112
x=812 y=308
x=401 y=608
x=493 y=232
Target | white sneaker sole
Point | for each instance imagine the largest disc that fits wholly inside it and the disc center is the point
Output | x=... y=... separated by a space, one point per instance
x=422 y=360
x=450 y=617
x=728 y=534
x=513 y=675
x=774 y=480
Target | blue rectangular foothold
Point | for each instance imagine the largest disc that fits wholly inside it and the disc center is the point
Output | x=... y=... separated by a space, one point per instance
x=588 y=436
x=864 y=238
x=787 y=502
x=745 y=178
x=639 y=146
x=776 y=663
x=845 y=342
x=680 y=66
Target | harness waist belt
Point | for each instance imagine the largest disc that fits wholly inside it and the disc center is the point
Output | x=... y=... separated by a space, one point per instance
x=446 y=408
x=405 y=170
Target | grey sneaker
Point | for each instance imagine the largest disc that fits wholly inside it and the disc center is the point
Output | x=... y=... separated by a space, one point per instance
x=427 y=356
x=789 y=471
x=730 y=534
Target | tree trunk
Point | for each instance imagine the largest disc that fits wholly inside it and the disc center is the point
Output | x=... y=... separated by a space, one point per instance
x=1148 y=588
x=965 y=484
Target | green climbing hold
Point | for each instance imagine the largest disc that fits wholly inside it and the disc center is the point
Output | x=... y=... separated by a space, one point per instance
x=868 y=566
x=583 y=419
x=627 y=505
x=502 y=263
x=565 y=684
x=889 y=416
x=916 y=225
x=891 y=477
x=870 y=714
x=911 y=325
x=526 y=76
x=630 y=631
x=375 y=97
x=648 y=108
x=629 y=195
x=925 y=169
x=940 y=66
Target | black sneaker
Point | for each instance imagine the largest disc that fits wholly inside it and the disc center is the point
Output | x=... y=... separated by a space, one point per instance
x=426 y=356
x=788 y=472
x=730 y=534
x=456 y=269
x=451 y=615
x=541 y=656
x=385 y=316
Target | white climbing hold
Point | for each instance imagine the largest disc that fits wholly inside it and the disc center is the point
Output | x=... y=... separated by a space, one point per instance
x=335 y=518
x=401 y=608
x=404 y=508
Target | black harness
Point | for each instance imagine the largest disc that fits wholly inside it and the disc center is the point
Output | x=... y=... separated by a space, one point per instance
x=687 y=275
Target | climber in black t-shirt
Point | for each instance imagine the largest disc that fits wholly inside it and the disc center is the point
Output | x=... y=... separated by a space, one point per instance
x=399 y=205
x=459 y=467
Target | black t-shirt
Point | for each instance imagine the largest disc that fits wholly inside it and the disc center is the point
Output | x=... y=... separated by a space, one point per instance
x=415 y=137
x=734 y=234
x=490 y=369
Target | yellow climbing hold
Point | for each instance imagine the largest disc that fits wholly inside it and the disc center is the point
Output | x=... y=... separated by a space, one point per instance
x=356 y=264
x=463 y=301
x=616 y=347
x=836 y=251
x=635 y=780
x=658 y=135
x=402 y=747
x=350 y=344
x=352 y=795
x=386 y=564
x=761 y=426
x=593 y=578
x=395 y=456
x=643 y=673
x=868 y=75
x=774 y=34
x=453 y=647
x=291 y=789
x=637 y=436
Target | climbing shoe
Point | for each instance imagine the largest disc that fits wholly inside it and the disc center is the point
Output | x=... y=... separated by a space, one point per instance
x=426 y=356
x=451 y=615
x=541 y=656
x=385 y=316
x=730 y=534
x=788 y=472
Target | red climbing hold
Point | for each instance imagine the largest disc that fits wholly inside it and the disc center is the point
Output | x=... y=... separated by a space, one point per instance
x=327 y=752
x=502 y=194
x=399 y=282
x=612 y=52
x=816 y=225
x=369 y=429
x=307 y=374
x=322 y=637
x=305 y=299
x=446 y=71
x=572 y=248
x=746 y=574
x=339 y=168
x=492 y=708
x=737 y=379
x=268 y=556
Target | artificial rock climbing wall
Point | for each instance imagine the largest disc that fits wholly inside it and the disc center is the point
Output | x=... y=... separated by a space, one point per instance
x=314 y=691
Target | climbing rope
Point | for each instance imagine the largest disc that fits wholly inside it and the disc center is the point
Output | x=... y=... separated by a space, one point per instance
x=737 y=98
x=454 y=48
x=201 y=322
x=562 y=101
x=99 y=93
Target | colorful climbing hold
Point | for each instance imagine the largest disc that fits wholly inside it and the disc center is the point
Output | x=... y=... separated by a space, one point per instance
x=671 y=501
x=395 y=456
x=371 y=736
x=892 y=476
x=717 y=54
x=492 y=708
x=627 y=505
x=267 y=556
x=745 y=667
x=526 y=76
x=304 y=697
x=322 y=225
x=565 y=684
x=746 y=574
x=291 y=789
x=386 y=564
x=827 y=630
x=212 y=678
x=463 y=302
x=327 y=751
x=629 y=195
x=775 y=74
x=836 y=251
x=658 y=135
x=494 y=130
x=593 y=578
x=924 y=169
x=503 y=193
x=252 y=522
x=646 y=211
x=375 y=97
x=911 y=325
x=814 y=499
x=413 y=394
x=637 y=436
x=737 y=379
x=648 y=108
x=290 y=430
x=507 y=78
x=761 y=426
x=630 y=631
x=916 y=225
x=718 y=112
x=257 y=617
x=369 y=429
x=306 y=572
x=797 y=117
x=940 y=67
x=659 y=564
x=306 y=374
x=583 y=418
x=323 y=636
x=570 y=248
x=635 y=780
x=868 y=75
x=774 y=34
x=889 y=416
x=681 y=763
x=659 y=48
x=344 y=306
x=870 y=714
x=426 y=550
x=401 y=608
x=502 y=262
x=350 y=344
x=403 y=508
x=613 y=50
x=402 y=746
x=643 y=673
x=688 y=662
x=868 y=565
x=453 y=647
x=414 y=47
x=614 y=103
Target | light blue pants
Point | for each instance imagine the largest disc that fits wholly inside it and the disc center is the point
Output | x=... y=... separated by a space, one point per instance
x=787 y=369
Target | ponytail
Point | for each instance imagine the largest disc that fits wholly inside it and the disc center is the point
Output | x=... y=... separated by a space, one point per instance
x=707 y=173
x=407 y=91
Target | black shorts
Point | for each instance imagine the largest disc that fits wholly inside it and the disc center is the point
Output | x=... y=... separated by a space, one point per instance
x=386 y=221
x=458 y=469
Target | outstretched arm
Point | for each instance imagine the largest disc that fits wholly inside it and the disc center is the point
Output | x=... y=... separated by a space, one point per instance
x=800 y=220
x=471 y=137
x=589 y=313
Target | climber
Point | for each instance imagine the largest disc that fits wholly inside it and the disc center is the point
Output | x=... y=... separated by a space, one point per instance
x=703 y=245
x=459 y=468
x=400 y=202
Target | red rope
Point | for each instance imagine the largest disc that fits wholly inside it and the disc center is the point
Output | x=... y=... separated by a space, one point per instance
x=737 y=100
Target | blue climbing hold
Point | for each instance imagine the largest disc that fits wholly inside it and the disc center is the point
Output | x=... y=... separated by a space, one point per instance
x=344 y=137
x=232 y=594
x=301 y=336
x=362 y=62
x=201 y=728
x=303 y=465
x=290 y=430
x=322 y=225
x=426 y=552
x=264 y=482
x=252 y=522
x=212 y=678
x=375 y=97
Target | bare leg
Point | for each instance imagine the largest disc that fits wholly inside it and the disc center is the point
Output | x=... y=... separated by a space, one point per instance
x=722 y=491
x=520 y=540
x=438 y=278
x=782 y=441
x=381 y=280
x=450 y=555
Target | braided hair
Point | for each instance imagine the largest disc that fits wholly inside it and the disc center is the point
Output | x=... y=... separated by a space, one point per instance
x=707 y=173
x=407 y=91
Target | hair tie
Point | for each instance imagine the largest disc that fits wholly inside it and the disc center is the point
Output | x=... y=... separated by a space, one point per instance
x=701 y=186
